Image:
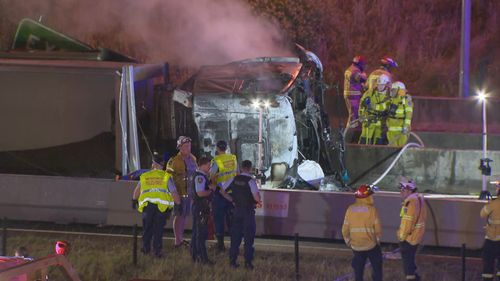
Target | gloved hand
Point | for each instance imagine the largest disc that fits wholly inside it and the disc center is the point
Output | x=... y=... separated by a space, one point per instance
x=405 y=130
x=135 y=203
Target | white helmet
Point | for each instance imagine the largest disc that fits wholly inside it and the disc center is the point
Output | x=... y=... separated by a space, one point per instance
x=398 y=85
x=383 y=79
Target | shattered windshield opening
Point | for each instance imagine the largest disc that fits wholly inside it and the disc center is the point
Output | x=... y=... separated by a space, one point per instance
x=248 y=77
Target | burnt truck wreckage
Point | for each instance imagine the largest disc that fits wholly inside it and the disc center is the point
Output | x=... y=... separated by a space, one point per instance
x=269 y=110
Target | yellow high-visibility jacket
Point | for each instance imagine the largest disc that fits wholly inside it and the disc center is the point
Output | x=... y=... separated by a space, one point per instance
x=227 y=167
x=413 y=217
x=361 y=229
x=491 y=211
x=177 y=168
x=155 y=190
x=402 y=115
x=378 y=105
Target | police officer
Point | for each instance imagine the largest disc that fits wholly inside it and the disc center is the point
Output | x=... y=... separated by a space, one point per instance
x=223 y=170
x=412 y=228
x=373 y=110
x=400 y=114
x=354 y=84
x=362 y=231
x=491 y=247
x=244 y=194
x=155 y=195
x=202 y=198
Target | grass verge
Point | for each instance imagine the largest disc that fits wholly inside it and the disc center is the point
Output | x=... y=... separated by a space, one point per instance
x=98 y=258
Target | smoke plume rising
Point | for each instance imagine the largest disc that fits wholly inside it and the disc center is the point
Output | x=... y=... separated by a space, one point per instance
x=187 y=32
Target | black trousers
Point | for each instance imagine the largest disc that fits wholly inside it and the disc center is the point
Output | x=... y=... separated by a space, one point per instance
x=359 y=261
x=199 y=234
x=243 y=226
x=491 y=252
x=153 y=222
x=408 y=252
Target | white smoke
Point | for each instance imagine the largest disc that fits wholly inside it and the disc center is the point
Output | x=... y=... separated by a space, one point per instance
x=187 y=32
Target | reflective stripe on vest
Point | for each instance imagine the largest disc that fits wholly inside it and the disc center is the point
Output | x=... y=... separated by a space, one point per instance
x=361 y=230
x=226 y=163
x=395 y=129
x=154 y=189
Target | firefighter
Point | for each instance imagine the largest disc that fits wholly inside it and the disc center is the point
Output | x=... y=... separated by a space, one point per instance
x=373 y=111
x=386 y=66
x=155 y=195
x=182 y=167
x=362 y=231
x=412 y=228
x=244 y=194
x=491 y=247
x=354 y=84
x=223 y=171
x=202 y=197
x=400 y=114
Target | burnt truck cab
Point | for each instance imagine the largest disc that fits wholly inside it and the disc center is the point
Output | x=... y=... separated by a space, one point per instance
x=269 y=106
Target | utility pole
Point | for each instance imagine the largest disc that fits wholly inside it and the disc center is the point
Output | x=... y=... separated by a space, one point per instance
x=465 y=49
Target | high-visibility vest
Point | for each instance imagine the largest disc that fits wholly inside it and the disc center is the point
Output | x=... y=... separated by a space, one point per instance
x=154 y=189
x=227 y=165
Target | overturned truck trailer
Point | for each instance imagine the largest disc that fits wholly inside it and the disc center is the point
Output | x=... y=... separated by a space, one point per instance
x=269 y=110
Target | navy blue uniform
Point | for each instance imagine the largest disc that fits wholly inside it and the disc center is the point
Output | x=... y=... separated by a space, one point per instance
x=243 y=222
x=153 y=222
x=201 y=213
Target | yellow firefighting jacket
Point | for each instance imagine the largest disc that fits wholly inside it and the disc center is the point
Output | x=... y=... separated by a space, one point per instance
x=154 y=189
x=372 y=78
x=227 y=167
x=373 y=106
x=413 y=217
x=400 y=113
x=177 y=168
x=361 y=229
x=491 y=211
x=354 y=80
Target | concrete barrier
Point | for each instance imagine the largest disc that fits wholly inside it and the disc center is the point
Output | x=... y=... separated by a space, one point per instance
x=285 y=212
x=451 y=171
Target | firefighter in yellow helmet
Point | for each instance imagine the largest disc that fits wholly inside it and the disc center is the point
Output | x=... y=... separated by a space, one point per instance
x=373 y=111
x=491 y=247
x=412 y=228
x=362 y=231
x=354 y=85
x=155 y=195
x=399 y=115
x=386 y=66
